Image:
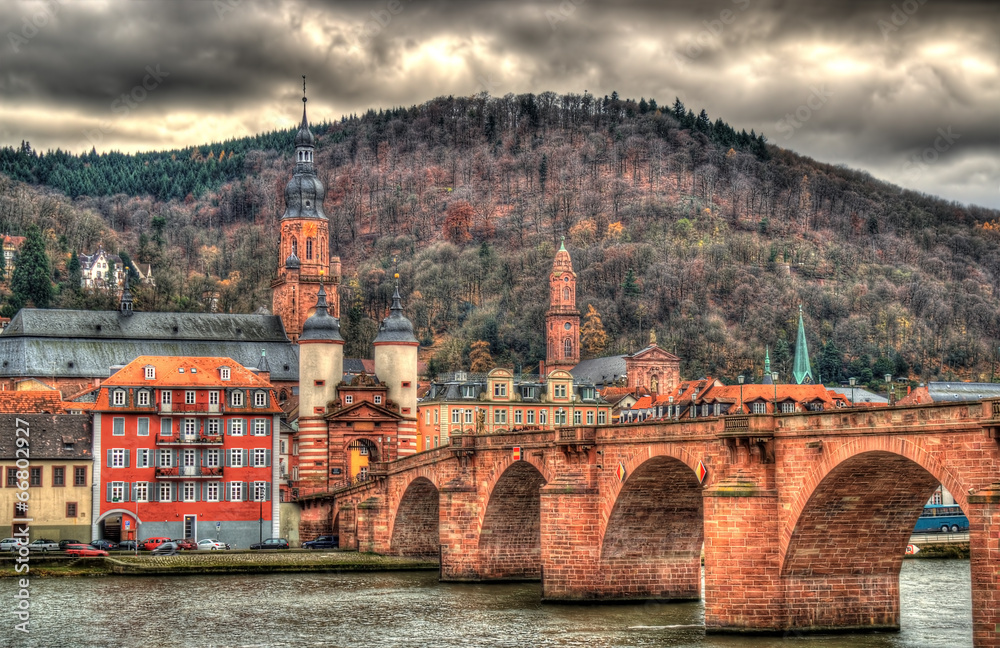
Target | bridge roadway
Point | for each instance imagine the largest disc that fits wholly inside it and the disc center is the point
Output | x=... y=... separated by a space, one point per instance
x=803 y=517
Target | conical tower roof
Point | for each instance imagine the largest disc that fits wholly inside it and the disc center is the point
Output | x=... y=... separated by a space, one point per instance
x=562 y=262
x=802 y=369
x=767 y=380
x=321 y=325
x=396 y=328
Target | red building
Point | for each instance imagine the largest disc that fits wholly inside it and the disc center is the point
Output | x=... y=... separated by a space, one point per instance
x=186 y=448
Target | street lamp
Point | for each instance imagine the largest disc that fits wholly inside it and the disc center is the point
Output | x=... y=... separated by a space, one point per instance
x=741 y=378
x=889 y=390
x=260 y=519
x=853 y=382
x=774 y=381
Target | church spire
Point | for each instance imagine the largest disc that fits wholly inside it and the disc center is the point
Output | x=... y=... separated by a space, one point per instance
x=802 y=368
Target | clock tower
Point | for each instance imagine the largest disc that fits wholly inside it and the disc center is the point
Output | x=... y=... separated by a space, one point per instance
x=562 y=321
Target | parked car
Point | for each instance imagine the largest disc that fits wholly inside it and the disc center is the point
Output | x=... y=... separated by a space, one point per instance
x=126 y=545
x=150 y=544
x=63 y=543
x=168 y=548
x=11 y=544
x=322 y=542
x=210 y=544
x=44 y=545
x=106 y=545
x=84 y=550
x=271 y=543
x=187 y=544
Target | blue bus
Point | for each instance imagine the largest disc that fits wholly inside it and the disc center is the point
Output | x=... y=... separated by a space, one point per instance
x=946 y=518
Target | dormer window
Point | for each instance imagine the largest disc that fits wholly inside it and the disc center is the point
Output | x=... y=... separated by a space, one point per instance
x=468 y=391
x=260 y=399
x=150 y=372
x=559 y=391
x=143 y=398
x=378 y=400
x=224 y=373
x=499 y=390
x=118 y=397
x=237 y=399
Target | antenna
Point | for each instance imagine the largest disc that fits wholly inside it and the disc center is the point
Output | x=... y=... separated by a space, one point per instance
x=304 y=89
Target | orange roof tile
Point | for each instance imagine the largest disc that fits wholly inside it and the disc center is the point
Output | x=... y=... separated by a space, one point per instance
x=169 y=373
x=31 y=402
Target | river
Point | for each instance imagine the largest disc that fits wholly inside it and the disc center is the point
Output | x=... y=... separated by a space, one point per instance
x=401 y=609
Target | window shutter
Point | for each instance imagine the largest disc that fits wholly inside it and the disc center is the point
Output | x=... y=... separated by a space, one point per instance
x=267 y=427
x=229 y=427
x=177 y=458
x=267 y=492
x=244 y=454
x=225 y=487
x=109 y=465
x=127 y=454
x=125 y=491
x=228 y=457
x=267 y=458
x=196 y=493
x=204 y=491
x=135 y=488
x=108 y=497
x=245 y=492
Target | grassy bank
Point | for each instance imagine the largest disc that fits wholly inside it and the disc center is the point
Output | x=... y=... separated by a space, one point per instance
x=952 y=550
x=227 y=562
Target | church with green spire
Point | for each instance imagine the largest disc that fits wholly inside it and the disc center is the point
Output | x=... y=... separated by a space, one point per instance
x=802 y=368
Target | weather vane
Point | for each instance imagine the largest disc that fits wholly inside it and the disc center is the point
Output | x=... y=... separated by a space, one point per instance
x=304 y=89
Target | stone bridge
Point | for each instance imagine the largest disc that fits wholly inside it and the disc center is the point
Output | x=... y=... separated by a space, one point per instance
x=803 y=518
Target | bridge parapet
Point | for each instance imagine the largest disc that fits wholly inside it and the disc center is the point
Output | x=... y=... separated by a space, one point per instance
x=915 y=418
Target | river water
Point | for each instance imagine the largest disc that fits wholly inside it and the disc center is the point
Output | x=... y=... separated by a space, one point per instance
x=401 y=609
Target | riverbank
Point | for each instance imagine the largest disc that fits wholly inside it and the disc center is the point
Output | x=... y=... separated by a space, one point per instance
x=935 y=551
x=224 y=562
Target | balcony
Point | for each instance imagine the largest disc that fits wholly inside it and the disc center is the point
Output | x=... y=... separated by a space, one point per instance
x=190 y=439
x=188 y=472
x=191 y=408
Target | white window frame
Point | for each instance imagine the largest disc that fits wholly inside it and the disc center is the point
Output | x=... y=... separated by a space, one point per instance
x=236 y=426
x=166 y=458
x=118 y=491
x=260 y=399
x=468 y=416
x=236 y=491
x=150 y=372
x=212 y=492
x=499 y=416
x=260 y=491
x=212 y=458
x=165 y=492
x=166 y=396
x=235 y=457
x=378 y=399
x=590 y=417
x=260 y=427
x=118 y=397
x=118 y=457
x=213 y=398
x=142 y=492
x=499 y=390
x=190 y=397
x=518 y=417
x=577 y=417
x=456 y=416
x=787 y=407
x=559 y=391
x=224 y=373
x=348 y=400
x=259 y=457
x=237 y=398
x=543 y=417
x=602 y=418
x=190 y=427
x=142 y=398
x=759 y=408
x=214 y=426
x=189 y=492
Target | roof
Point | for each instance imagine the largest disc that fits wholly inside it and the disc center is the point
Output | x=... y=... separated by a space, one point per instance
x=961 y=391
x=599 y=371
x=862 y=395
x=23 y=402
x=395 y=328
x=53 y=436
x=85 y=344
x=185 y=372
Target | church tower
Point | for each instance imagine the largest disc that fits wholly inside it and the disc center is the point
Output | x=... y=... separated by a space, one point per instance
x=396 y=366
x=305 y=241
x=562 y=321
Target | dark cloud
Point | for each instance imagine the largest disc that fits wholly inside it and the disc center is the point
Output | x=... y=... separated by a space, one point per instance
x=866 y=84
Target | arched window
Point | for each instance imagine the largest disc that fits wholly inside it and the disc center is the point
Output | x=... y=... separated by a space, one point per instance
x=309 y=248
x=567 y=348
x=295 y=246
x=565 y=294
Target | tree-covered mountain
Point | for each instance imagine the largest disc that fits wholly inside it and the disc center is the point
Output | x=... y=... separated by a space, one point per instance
x=675 y=223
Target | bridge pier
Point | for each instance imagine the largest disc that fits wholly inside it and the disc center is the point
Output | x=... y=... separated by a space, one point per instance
x=372 y=528
x=984 y=548
x=571 y=540
x=459 y=539
x=743 y=588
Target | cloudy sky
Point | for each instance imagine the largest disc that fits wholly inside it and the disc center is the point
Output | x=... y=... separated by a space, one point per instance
x=908 y=90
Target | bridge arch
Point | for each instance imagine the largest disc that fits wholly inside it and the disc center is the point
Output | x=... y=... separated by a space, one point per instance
x=510 y=536
x=653 y=534
x=416 y=525
x=845 y=542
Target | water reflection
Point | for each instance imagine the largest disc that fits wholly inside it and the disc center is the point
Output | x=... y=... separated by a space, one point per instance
x=413 y=609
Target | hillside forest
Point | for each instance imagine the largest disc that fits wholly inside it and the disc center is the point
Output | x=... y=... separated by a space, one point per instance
x=676 y=224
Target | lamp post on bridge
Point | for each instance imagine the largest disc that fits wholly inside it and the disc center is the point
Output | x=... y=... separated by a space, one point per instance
x=741 y=378
x=889 y=388
x=853 y=382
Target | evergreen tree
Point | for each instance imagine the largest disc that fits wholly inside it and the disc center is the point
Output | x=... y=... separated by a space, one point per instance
x=679 y=109
x=592 y=333
x=75 y=279
x=831 y=363
x=630 y=287
x=32 y=278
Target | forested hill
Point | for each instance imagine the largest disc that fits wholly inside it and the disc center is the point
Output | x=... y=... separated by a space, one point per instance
x=675 y=223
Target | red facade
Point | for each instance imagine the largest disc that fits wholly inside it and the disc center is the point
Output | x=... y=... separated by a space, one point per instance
x=187 y=446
